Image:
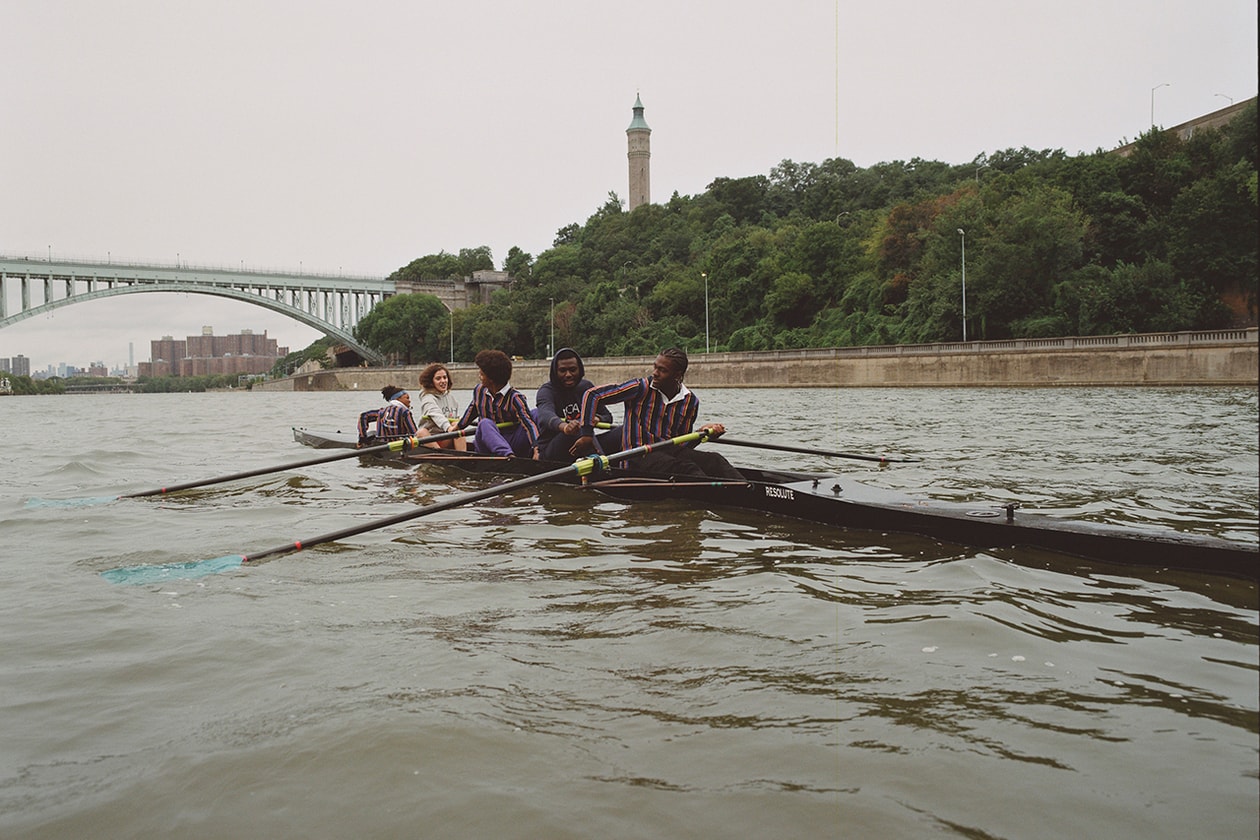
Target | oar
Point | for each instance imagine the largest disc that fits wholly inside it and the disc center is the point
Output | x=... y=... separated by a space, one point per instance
x=200 y=568
x=763 y=445
x=401 y=445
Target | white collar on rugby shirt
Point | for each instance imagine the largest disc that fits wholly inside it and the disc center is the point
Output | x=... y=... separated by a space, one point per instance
x=682 y=392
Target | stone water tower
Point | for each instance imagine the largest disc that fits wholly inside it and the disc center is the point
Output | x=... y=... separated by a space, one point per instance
x=639 y=142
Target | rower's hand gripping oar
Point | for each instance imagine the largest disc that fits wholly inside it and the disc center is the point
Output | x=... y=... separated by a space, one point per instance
x=756 y=444
x=582 y=467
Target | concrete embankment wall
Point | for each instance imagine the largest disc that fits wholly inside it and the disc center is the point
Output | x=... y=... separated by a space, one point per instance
x=1227 y=357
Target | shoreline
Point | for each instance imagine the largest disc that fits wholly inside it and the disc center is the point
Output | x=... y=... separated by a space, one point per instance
x=1221 y=357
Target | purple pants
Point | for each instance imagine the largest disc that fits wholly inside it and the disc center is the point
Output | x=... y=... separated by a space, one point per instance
x=491 y=440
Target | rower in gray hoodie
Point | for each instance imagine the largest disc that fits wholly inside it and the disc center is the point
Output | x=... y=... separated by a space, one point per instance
x=559 y=404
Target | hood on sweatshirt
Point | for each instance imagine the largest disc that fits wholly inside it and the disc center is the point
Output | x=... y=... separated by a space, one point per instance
x=566 y=351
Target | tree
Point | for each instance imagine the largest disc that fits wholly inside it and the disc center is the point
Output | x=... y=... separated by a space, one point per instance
x=475 y=259
x=316 y=351
x=791 y=302
x=518 y=264
x=742 y=198
x=1131 y=298
x=1031 y=242
x=439 y=266
x=495 y=334
x=567 y=235
x=412 y=327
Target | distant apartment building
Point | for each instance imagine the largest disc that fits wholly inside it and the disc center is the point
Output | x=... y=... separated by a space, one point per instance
x=212 y=355
x=19 y=365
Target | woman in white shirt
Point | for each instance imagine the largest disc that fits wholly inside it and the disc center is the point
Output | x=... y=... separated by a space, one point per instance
x=438 y=409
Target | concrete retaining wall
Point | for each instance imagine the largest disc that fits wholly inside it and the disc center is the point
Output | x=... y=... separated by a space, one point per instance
x=1227 y=357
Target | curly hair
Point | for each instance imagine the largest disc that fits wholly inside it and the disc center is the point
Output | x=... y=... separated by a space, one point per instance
x=426 y=378
x=495 y=365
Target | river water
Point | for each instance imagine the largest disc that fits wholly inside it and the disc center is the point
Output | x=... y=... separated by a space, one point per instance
x=553 y=664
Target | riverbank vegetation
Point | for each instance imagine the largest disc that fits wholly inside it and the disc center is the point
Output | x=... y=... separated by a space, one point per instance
x=815 y=255
x=27 y=386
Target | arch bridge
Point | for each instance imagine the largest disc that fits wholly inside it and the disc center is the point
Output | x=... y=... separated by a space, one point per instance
x=332 y=305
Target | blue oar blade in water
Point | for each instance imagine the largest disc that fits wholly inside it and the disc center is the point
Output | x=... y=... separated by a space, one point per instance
x=139 y=575
x=70 y=503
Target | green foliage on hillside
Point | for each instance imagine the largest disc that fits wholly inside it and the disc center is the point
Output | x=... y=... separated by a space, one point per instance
x=317 y=351
x=409 y=327
x=830 y=254
x=26 y=386
x=187 y=384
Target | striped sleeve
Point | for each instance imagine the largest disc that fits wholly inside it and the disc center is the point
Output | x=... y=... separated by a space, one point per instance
x=366 y=419
x=474 y=408
x=520 y=410
x=601 y=395
x=407 y=424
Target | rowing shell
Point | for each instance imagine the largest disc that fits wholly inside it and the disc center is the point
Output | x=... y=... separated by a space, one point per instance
x=326 y=440
x=841 y=501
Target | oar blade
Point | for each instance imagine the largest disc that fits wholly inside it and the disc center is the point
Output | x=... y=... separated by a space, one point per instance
x=141 y=575
x=70 y=503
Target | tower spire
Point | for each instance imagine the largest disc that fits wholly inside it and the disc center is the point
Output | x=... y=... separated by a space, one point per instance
x=639 y=144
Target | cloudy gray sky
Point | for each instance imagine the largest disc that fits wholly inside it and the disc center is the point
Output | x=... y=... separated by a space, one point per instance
x=334 y=136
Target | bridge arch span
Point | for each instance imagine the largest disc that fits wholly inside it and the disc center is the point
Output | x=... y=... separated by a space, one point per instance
x=344 y=336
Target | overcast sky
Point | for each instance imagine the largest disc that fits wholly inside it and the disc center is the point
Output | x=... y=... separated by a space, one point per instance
x=355 y=137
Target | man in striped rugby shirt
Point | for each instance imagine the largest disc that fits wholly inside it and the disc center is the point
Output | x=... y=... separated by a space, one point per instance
x=657 y=407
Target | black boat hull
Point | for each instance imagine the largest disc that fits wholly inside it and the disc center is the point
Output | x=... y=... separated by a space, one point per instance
x=839 y=501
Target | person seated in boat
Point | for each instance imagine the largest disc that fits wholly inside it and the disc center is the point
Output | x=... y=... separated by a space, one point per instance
x=657 y=407
x=496 y=401
x=438 y=408
x=559 y=405
x=393 y=420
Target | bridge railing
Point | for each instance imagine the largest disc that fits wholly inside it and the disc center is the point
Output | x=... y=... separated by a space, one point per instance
x=109 y=262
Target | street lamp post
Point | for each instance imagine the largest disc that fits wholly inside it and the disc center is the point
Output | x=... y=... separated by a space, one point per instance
x=963 y=239
x=1225 y=96
x=551 y=345
x=705 y=275
x=452 y=334
x=1157 y=87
